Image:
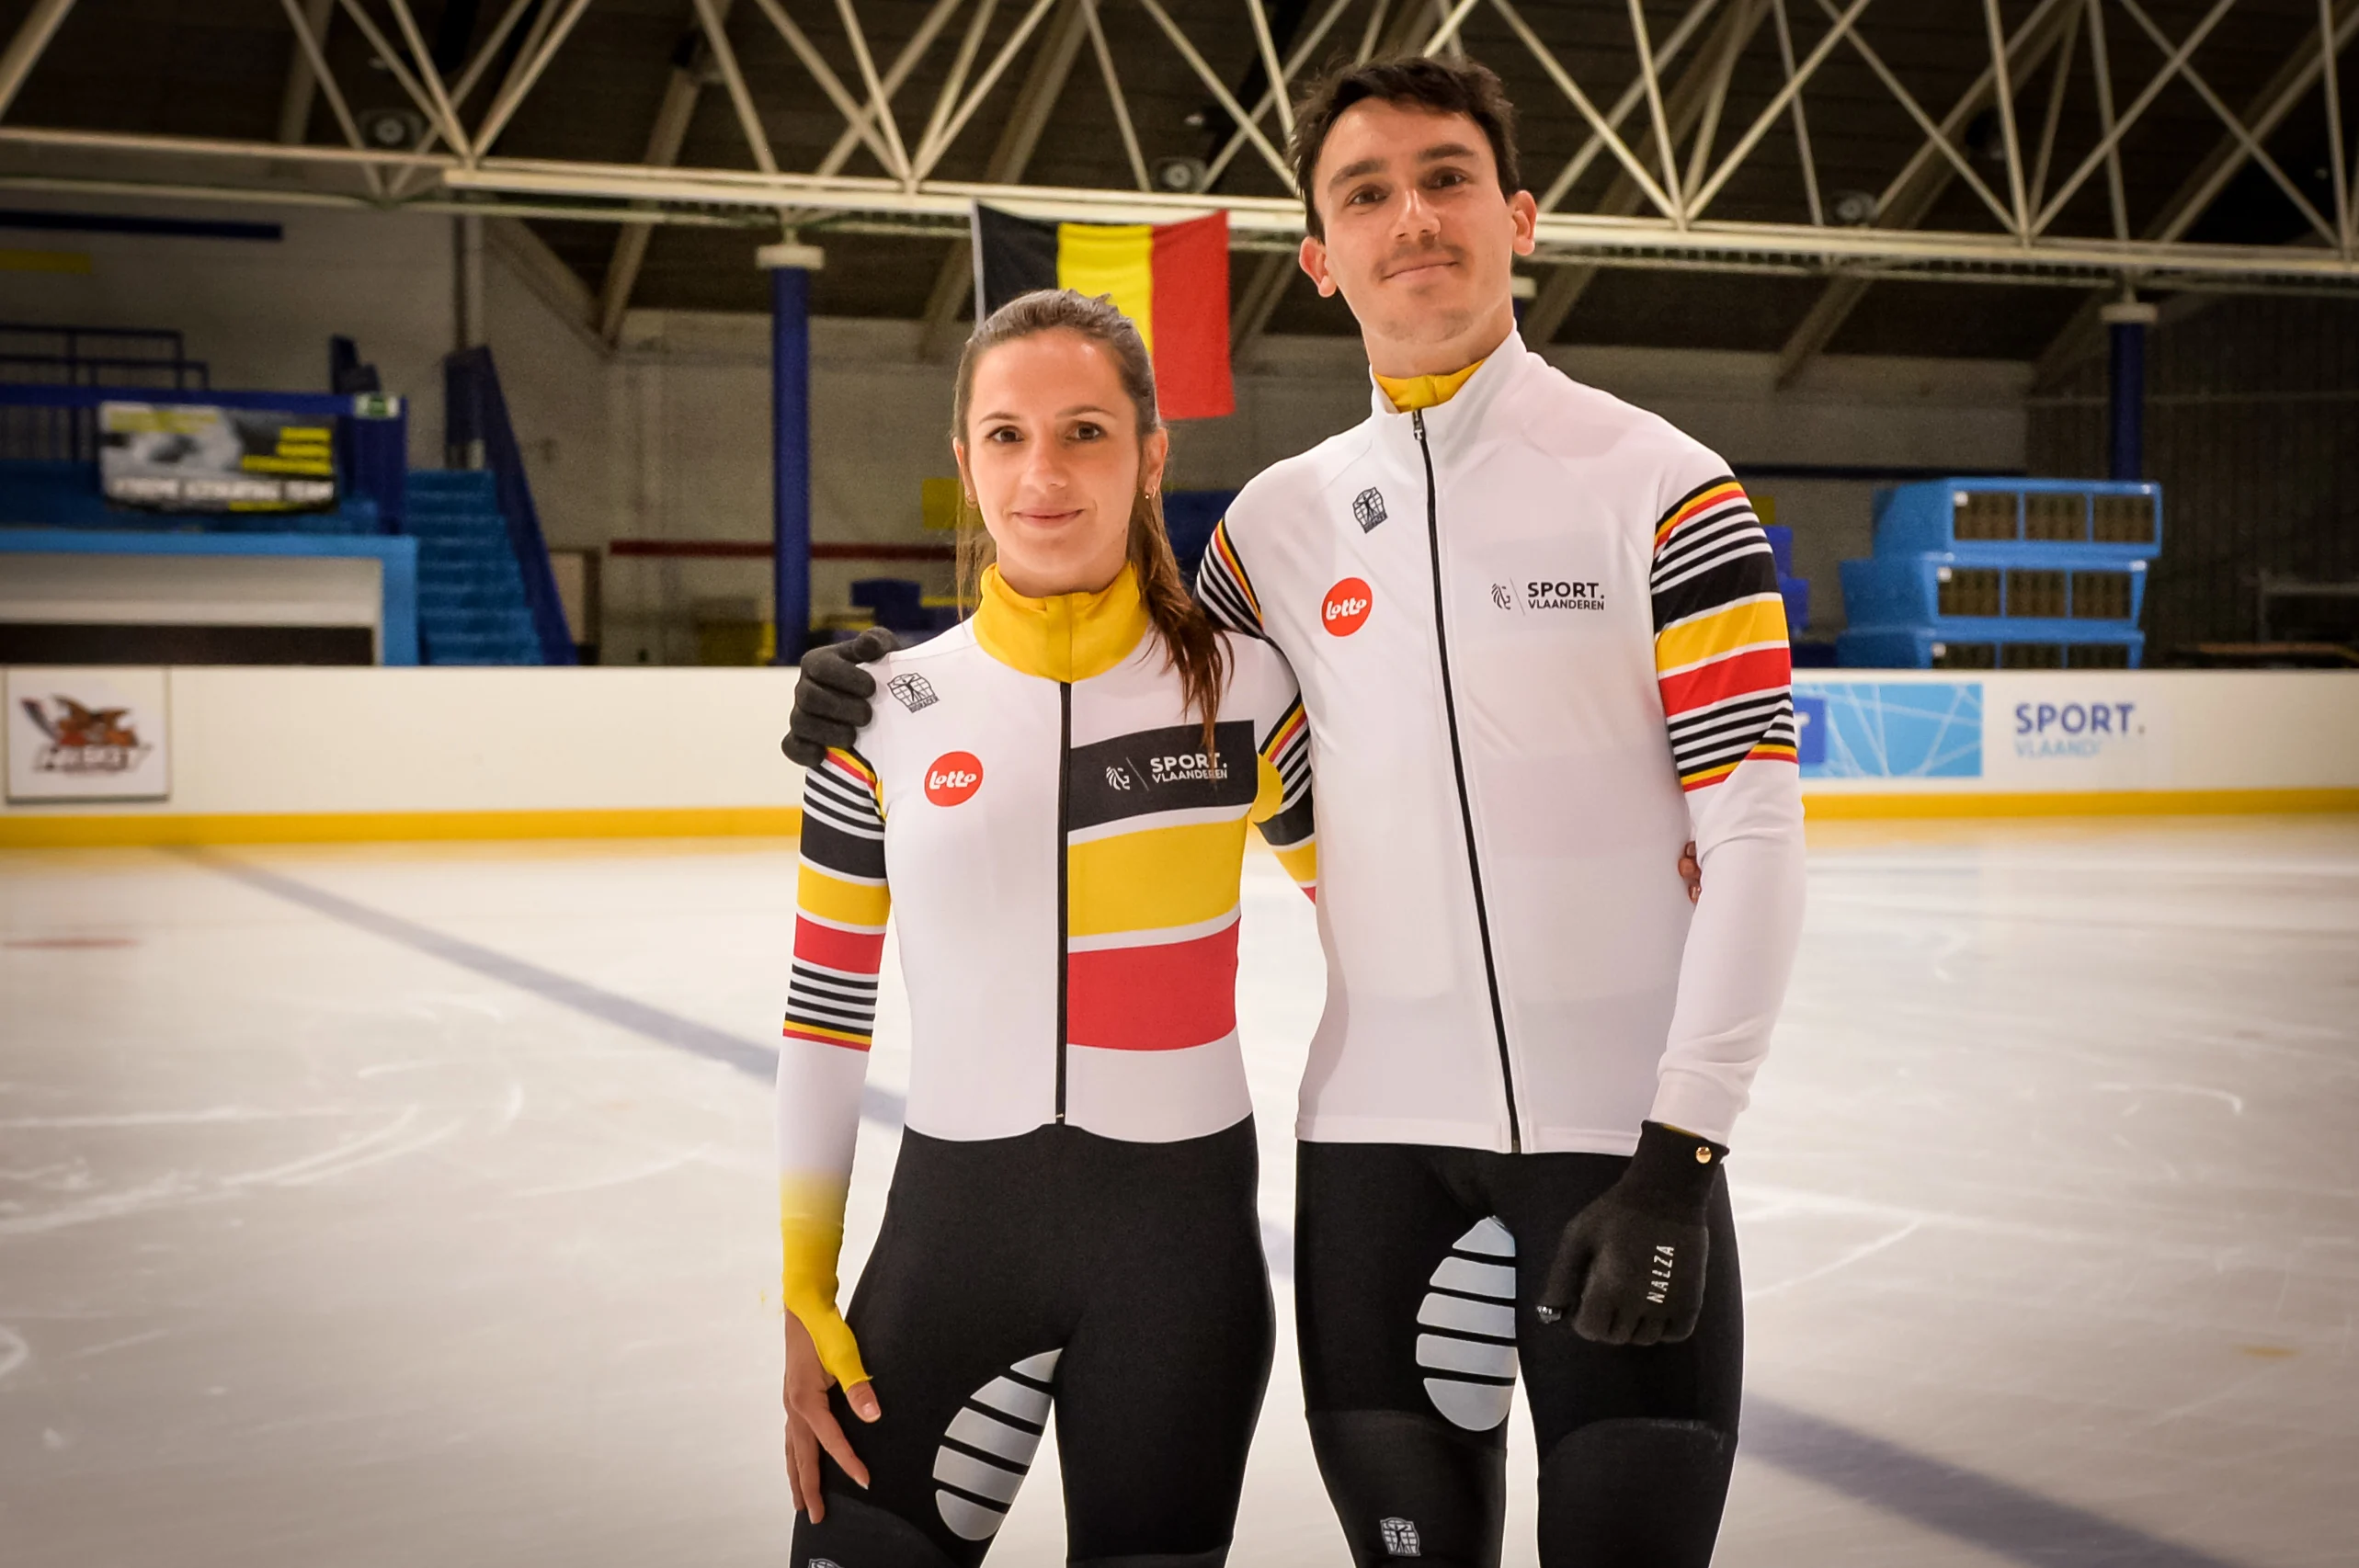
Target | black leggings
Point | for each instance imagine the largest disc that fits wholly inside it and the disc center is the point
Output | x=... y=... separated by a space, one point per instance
x=1416 y=1272
x=1121 y=1283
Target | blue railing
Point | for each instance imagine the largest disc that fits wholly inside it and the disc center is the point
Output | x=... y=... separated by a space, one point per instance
x=476 y=415
x=150 y=359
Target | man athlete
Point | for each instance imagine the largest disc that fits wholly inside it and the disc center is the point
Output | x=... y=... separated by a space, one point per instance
x=1539 y=643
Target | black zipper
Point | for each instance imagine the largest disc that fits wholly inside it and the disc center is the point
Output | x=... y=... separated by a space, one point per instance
x=1465 y=805
x=1063 y=861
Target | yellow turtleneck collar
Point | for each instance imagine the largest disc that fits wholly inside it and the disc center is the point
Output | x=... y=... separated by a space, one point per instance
x=1065 y=637
x=1409 y=393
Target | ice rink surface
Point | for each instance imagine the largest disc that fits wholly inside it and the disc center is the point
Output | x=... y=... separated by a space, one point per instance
x=403 y=1205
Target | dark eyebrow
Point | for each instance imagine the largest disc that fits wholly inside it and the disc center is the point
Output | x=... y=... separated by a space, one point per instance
x=1061 y=413
x=1438 y=154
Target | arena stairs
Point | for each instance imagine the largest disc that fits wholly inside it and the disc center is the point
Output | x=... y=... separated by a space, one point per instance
x=471 y=604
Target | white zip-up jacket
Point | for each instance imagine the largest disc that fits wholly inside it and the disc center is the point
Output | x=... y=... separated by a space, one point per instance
x=1539 y=643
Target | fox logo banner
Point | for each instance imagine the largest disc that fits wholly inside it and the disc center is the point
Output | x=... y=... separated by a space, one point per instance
x=95 y=734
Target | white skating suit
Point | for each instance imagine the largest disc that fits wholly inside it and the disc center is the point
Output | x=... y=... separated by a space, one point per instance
x=1063 y=862
x=1539 y=638
x=1072 y=1219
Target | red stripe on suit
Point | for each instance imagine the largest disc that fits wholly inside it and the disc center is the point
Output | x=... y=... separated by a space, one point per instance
x=1763 y=669
x=852 y=952
x=1165 y=997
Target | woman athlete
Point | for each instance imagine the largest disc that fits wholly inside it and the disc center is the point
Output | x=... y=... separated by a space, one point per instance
x=1054 y=804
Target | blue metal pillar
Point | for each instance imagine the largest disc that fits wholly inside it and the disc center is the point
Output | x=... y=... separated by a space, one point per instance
x=2127 y=324
x=791 y=266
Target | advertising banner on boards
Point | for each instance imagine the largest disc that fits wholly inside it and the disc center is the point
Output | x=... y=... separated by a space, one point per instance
x=89 y=734
x=182 y=457
x=2030 y=732
x=1872 y=729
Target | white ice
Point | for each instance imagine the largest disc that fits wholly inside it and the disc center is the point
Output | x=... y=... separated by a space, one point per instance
x=331 y=1233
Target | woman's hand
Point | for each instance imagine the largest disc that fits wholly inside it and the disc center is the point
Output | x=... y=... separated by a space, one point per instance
x=812 y=1426
x=1690 y=872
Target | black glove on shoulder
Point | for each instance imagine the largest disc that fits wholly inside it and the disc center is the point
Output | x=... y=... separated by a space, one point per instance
x=831 y=701
x=1634 y=1258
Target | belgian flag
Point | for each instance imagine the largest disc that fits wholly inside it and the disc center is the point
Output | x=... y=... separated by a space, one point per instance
x=1171 y=280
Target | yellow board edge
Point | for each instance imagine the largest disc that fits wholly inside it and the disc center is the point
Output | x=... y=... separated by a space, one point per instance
x=2071 y=803
x=29 y=830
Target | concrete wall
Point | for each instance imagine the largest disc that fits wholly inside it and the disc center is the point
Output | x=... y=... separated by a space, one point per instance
x=261 y=311
x=260 y=754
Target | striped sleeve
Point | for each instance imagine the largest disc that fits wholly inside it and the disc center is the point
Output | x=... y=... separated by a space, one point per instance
x=1282 y=809
x=840 y=903
x=1224 y=588
x=1721 y=650
x=840 y=906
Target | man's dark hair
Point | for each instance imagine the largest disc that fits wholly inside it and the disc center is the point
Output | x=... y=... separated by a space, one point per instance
x=1417 y=81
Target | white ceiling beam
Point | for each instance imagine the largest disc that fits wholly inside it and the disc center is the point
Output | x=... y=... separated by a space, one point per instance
x=1043 y=83
x=25 y=48
x=1922 y=180
x=530 y=62
x=1690 y=99
x=1115 y=98
x=683 y=85
x=932 y=154
x=302 y=79
x=2287 y=86
x=1219 y=89
x=1280 y=90
x=295 y=112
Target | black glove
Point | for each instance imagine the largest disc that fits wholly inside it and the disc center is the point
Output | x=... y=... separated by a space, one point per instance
x=831 y=701
x=1634 y=1257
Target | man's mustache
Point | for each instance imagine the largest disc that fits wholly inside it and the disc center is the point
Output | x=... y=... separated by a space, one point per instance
x=1427 y=256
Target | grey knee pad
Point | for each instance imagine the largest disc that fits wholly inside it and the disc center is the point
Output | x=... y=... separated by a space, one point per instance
x=858 y=1534
x=1634 y=1494
x=1410 y=1487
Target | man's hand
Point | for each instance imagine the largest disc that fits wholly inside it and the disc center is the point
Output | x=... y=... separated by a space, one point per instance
x=812 y=1426
x=1633 y=1259
x=831 y=701
x=1691 y=871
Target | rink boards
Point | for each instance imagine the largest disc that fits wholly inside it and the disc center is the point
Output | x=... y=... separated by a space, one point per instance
x=219 y=755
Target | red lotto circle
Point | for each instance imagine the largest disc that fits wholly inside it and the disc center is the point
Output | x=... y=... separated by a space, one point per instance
x=954 y=777
x=1347 y=606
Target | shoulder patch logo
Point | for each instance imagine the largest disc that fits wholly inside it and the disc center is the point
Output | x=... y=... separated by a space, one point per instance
x=1368 y=508
x=1346 y=606
x=914 y=691
x=954 y=778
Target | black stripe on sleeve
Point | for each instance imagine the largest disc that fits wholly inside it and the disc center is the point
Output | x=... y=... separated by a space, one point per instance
x=1742 y=576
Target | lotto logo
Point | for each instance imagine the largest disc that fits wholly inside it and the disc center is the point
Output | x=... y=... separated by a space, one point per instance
x=954 y=778
x=1346 y=610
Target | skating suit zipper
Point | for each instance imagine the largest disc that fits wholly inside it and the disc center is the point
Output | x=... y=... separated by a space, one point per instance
x=1064 y=875
x=1465 y=804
